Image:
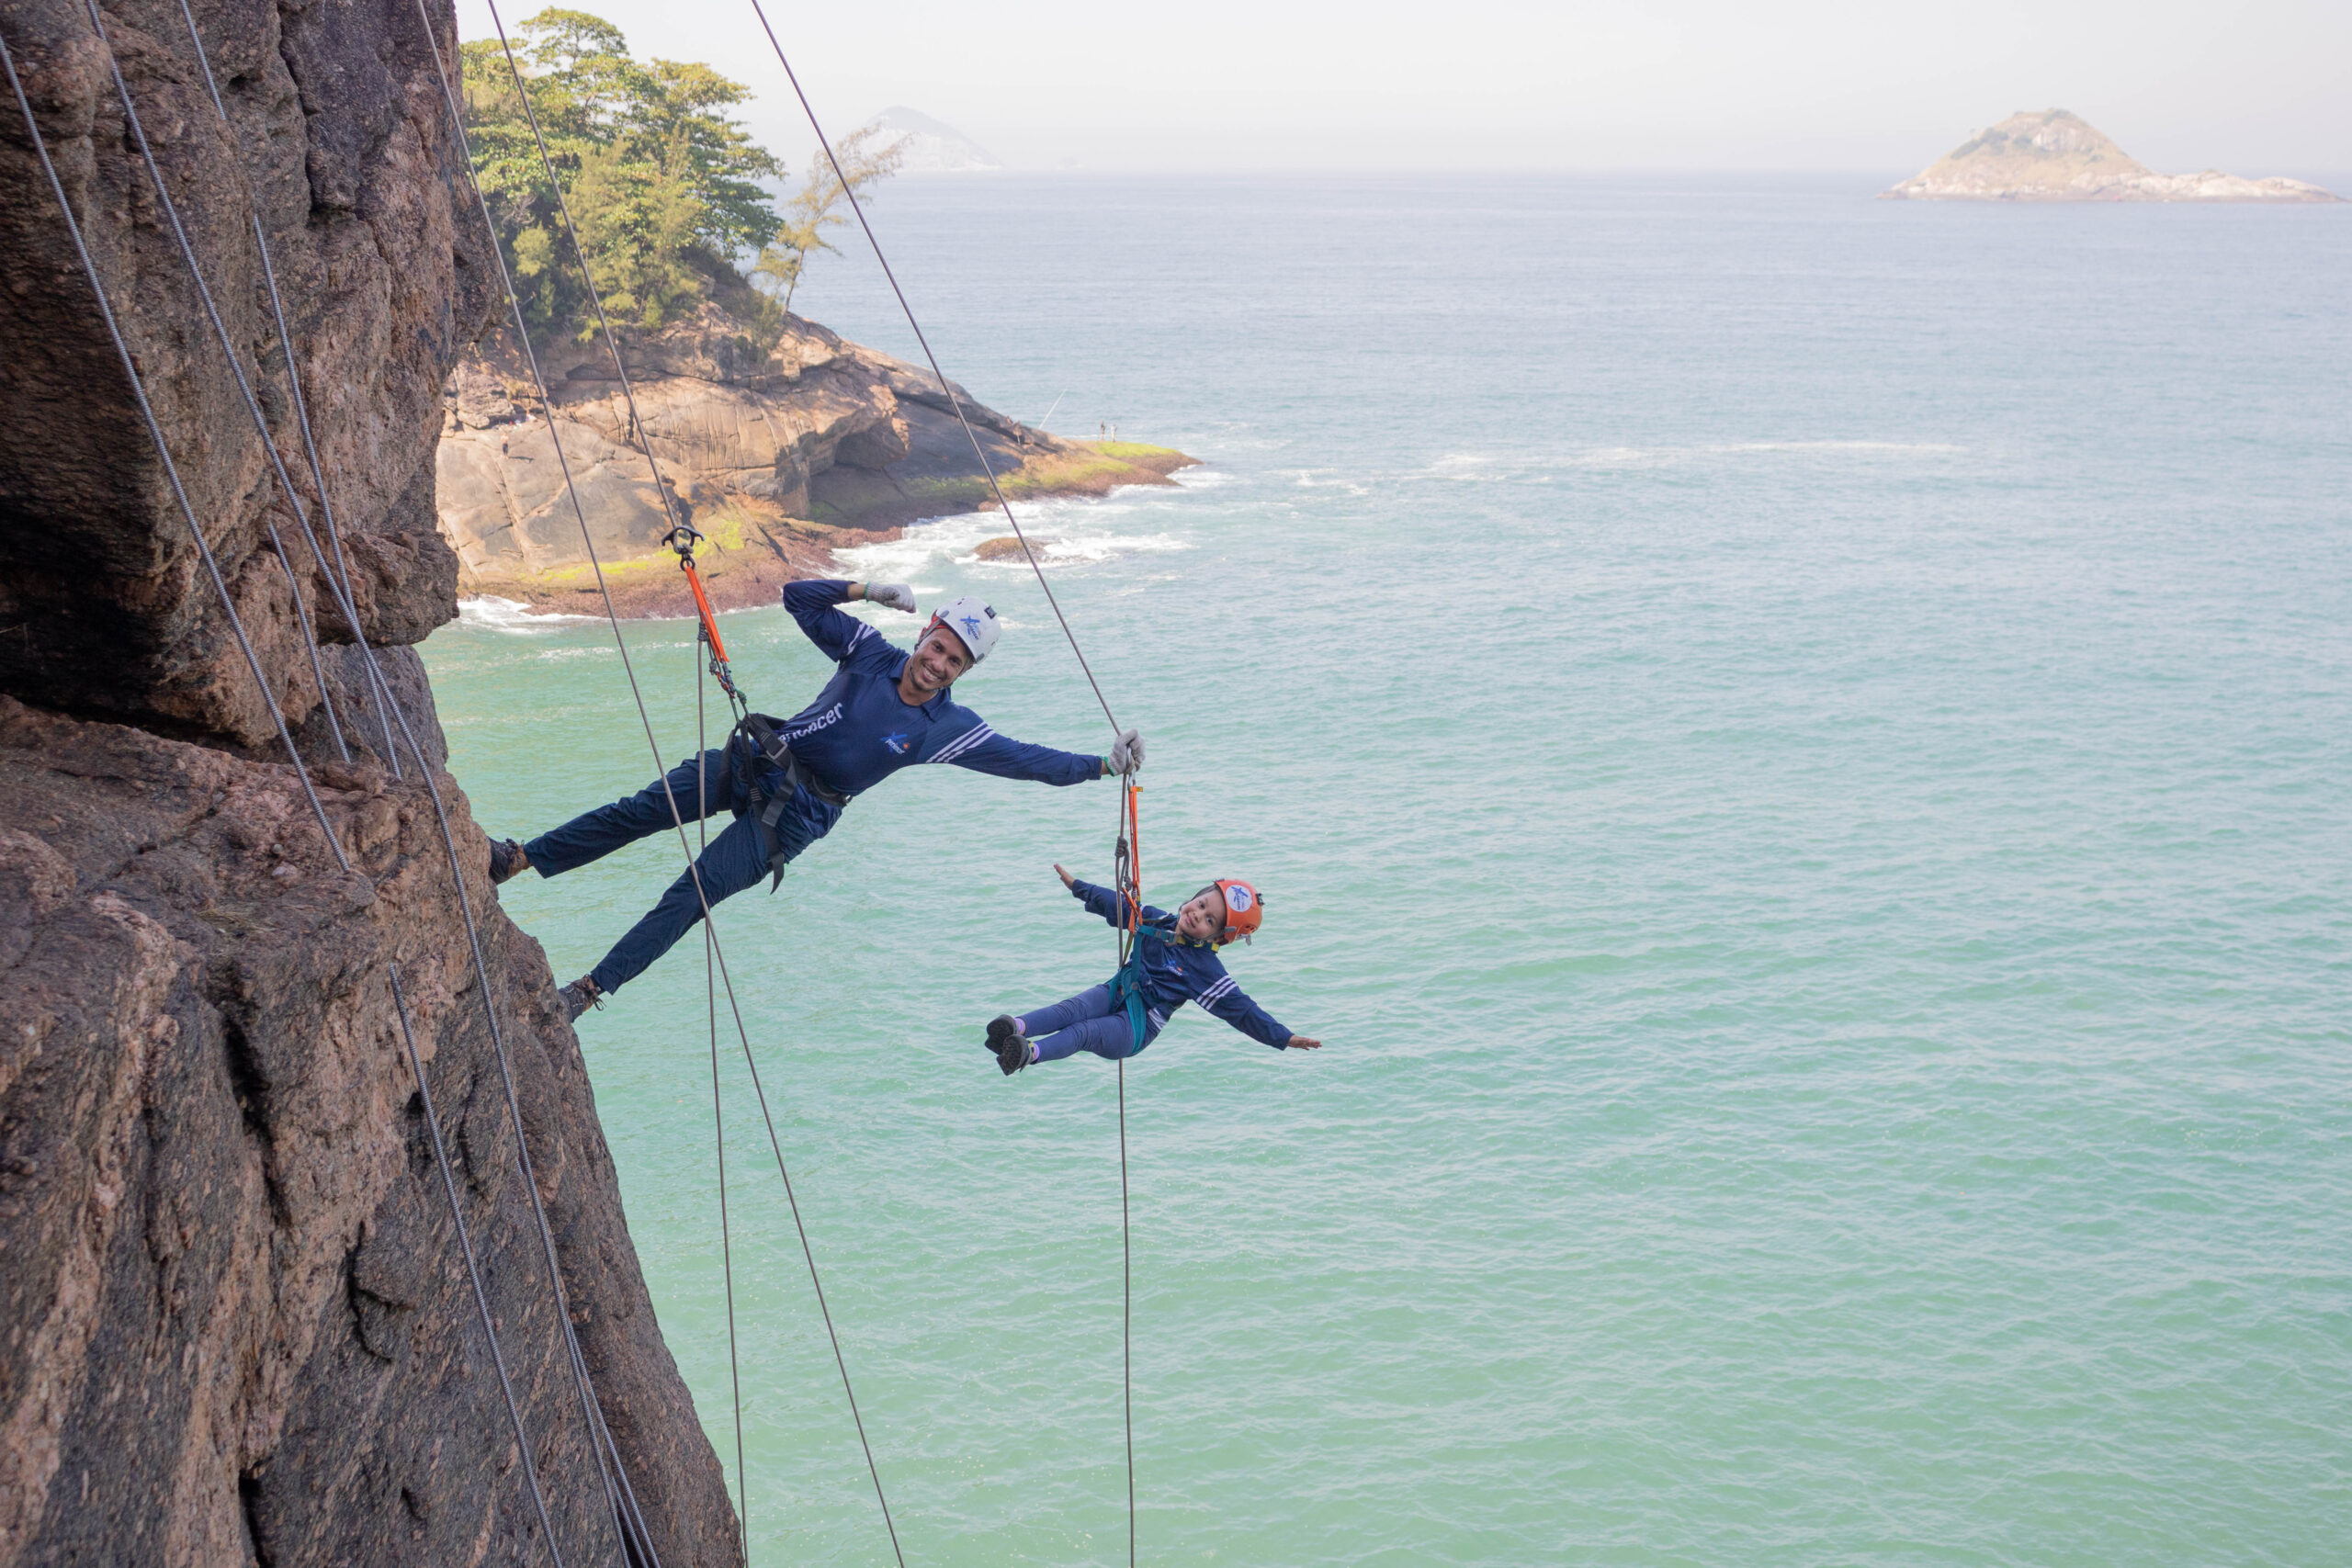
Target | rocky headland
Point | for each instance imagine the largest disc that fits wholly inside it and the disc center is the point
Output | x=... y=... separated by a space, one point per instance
x=2052 y=155
x=238 y=1327
x=778 y=454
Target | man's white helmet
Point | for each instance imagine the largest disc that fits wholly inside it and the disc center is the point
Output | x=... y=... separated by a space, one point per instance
x=974 y=624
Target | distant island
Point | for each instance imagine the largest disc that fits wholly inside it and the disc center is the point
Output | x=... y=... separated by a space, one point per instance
x=2058 y=156
x=927 y=146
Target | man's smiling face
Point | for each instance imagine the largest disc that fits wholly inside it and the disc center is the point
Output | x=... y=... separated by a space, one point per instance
x=938 y=659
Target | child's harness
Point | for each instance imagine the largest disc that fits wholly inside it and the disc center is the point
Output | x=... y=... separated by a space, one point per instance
x=1126 y=991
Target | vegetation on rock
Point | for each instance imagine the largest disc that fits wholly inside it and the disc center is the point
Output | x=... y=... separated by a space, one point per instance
x=661 y=183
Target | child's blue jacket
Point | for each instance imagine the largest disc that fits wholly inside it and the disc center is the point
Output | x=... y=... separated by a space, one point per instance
x=1176 y=971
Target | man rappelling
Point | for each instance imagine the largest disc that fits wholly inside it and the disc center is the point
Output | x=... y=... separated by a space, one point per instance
x=786 y=782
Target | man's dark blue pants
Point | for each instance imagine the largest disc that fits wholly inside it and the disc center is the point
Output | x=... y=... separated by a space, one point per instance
x=702 y=786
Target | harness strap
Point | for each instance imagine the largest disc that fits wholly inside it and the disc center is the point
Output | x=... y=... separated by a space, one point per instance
x=1126 y=991
x=764 y=748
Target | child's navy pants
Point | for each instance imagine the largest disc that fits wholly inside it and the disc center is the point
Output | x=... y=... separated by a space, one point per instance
x=1087 y=1022
x=703 y=787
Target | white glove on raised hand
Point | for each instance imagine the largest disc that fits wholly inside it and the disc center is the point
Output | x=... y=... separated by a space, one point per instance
x=1126 y=752
x=896 y=596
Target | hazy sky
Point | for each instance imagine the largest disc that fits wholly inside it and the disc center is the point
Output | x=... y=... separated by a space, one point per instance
x=2256 y=89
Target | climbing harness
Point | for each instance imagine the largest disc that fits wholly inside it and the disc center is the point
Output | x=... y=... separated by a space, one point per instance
x=761 y=769
x=766 y=776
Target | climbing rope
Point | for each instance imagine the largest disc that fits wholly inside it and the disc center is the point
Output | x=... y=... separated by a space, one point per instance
x=338 y=580
x=473 y=1268
x=716 y=948
x=269 y=697
x=1128 y=876
x=707 y=636
x=946 y=388
x=227 y=347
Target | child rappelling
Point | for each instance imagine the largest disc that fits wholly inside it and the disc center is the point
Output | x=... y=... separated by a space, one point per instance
x=1170 y=960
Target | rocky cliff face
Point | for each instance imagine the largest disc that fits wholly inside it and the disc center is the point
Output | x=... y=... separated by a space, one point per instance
x=237 y=1324
x=779 y=455
x=2053 y=155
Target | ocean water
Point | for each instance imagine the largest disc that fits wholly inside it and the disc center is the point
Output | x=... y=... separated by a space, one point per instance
x=1801 y=753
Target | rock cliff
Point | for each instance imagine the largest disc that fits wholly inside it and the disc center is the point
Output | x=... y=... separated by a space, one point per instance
x=238 y=1329
x=2057 y=156
x=779 y=455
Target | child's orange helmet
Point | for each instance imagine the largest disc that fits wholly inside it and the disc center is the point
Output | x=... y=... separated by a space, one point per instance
x=1243 y=909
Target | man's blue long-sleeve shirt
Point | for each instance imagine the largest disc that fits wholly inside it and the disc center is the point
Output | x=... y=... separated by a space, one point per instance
x=858 y=732
x=1176 y=971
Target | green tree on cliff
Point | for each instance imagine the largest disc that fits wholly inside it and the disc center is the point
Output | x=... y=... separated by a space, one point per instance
x=817 y=207
x=661 y=183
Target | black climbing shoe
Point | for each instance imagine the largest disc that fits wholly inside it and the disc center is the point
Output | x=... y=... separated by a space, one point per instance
x=507 y=858
x=578 y=998
x=1011 y=1046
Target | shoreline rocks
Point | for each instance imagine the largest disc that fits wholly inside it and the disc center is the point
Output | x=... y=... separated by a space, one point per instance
x=778 y=456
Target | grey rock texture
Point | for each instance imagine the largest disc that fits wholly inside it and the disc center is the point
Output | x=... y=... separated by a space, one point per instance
x=236 y=1324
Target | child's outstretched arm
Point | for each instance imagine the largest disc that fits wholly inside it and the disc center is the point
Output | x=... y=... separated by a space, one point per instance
x=1103 y=902
x=1226 y=1000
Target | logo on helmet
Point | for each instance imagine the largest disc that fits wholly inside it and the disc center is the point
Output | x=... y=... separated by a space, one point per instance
x=1237 y=898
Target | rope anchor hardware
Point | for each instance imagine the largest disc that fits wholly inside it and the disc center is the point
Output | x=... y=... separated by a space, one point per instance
x=682 y=538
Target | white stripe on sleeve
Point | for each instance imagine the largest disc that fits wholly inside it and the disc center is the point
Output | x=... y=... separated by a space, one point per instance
x=964 y=742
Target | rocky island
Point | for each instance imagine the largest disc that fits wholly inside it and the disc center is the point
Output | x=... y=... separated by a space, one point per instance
x=779 y=454
x=2052 y=155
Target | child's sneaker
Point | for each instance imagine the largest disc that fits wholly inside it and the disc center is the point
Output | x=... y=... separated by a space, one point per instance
x=1011 y=1046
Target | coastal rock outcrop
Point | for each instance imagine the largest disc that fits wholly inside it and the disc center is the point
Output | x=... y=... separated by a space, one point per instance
x=2053 y=155
x=777 y=454
x=237 y=1325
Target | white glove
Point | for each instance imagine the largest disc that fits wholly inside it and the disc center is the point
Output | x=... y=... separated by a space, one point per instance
x=1126 y=752
x=896 y=596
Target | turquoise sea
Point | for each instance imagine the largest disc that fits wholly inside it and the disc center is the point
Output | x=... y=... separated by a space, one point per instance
x=1801 y=753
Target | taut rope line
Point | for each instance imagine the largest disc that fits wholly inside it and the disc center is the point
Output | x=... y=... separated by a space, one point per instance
x=473 y=1269
x=598 y=1437
x=946 y=387
x=1128 y=873
x=379 y=691
x=719 y=1121
x=718 y=948
x=227 y=348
